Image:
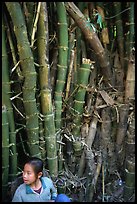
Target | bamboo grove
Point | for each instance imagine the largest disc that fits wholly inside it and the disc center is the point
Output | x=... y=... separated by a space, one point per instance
x=68 y=93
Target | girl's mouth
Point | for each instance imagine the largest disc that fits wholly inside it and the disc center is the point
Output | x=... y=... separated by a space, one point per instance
x=25 y=180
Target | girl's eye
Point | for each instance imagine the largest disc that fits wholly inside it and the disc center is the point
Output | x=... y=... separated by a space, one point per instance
x=29 y=173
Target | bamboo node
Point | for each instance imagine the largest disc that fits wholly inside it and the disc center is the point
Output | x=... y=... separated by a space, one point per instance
x=51 y=158
x=36 y=128
x=63 y=47
x=29 y=101
x=33 y=143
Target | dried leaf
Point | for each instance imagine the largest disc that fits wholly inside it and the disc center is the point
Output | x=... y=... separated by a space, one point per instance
x=108 y=99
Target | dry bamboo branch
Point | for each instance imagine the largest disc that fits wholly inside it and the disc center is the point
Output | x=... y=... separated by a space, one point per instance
x=35 y=24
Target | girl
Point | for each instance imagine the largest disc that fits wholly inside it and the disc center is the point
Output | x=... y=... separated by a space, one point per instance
x=35 y=187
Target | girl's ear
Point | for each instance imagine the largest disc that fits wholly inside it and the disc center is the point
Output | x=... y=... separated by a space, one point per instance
x=39 y=174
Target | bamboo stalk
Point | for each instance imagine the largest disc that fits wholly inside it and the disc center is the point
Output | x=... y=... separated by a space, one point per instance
x=129 y=186
x=107 y=143
x=45 y=91
x=120 y=35
x=103 y=183
x=92 y=186
x=78 y=44
x=62 y=61
x=130 y=35
x=130 y=140
x=90 y=138
x=29 y=86
x=5 y=152
x=130 y=81
x=53 y=70
x=83 y=77
x=16 y=74
x=121 y=132
x=119 y=75
x=69 y=74
x=6 y=89
x=42 y=142
x=90 y=172
x=12 y=48
x=71 y=59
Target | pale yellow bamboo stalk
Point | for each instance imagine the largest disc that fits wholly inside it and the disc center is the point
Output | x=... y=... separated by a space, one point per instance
x=35 y=24
x=70 y=74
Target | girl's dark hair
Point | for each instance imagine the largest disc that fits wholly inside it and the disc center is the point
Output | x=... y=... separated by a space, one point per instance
x=36 y=163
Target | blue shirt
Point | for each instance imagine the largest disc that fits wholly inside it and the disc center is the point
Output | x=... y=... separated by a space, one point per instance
x=25 y=193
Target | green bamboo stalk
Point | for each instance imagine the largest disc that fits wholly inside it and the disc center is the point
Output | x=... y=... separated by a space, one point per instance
x=16 y=74
x=71 y=56
x=62 y=61
x=53 y=70
x=46 y=99
x=42 y=142
x=13 y=51
x=69 y=88
x=89 y=139
x=78 y=53
x=78 y=42
x=29 y=73
x=5 y=152
x=83 y=78
x=6 y=99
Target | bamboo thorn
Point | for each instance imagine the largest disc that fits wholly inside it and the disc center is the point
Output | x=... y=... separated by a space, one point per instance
x=12 y=98
x=12 y=70
x=18 y=111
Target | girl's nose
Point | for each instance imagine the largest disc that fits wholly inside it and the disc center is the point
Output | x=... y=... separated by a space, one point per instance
x=24 y=175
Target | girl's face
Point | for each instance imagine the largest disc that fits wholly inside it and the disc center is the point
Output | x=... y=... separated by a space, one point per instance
x=29 y=176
